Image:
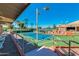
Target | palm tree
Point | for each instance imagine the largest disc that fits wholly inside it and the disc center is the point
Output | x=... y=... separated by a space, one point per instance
x=54 y=26
x=26 y=22
x=20 y=24
x=31 y=24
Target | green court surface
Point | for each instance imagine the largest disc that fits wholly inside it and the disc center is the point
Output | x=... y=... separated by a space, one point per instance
x=55 y=41
x=67 y=38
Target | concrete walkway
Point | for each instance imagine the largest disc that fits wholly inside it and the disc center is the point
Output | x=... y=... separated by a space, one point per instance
x=9 y=48
x=42 y=52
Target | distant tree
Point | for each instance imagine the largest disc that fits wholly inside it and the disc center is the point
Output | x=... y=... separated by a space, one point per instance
x=54 y=26
x=39 y=27
x=48 y=27
x=31 y=24
x=20 y=24
x=25 y=22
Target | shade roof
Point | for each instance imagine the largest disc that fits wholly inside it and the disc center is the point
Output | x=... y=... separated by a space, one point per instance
x=10 y=11
x=75 y=23
x=72 y=24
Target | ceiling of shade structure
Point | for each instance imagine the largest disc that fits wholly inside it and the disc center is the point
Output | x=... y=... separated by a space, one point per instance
x=10 y=11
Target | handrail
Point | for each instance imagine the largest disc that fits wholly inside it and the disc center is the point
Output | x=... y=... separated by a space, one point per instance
x=18 y=47
x=69 y=44
x=70 y=41
x=75 y=42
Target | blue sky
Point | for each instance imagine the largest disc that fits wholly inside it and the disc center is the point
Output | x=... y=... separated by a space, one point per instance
x=58 y=13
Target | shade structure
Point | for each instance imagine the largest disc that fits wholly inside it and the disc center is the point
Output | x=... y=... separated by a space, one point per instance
x=75 y=23
x=10 y=11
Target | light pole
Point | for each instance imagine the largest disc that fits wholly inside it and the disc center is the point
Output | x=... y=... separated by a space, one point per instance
x=37 y=14
x=37 y=25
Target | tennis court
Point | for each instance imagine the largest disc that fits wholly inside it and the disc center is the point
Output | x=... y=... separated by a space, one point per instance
x=55 y=40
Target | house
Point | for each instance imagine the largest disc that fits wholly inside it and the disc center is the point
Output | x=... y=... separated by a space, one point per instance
x=74 y=26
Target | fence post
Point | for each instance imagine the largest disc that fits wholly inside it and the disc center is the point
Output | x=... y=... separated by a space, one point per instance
x=69 y=48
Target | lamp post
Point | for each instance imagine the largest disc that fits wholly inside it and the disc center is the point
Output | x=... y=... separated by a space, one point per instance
x=37 y=15
x=37 y=25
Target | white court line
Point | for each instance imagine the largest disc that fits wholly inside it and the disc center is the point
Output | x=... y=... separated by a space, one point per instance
x=41 y=48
